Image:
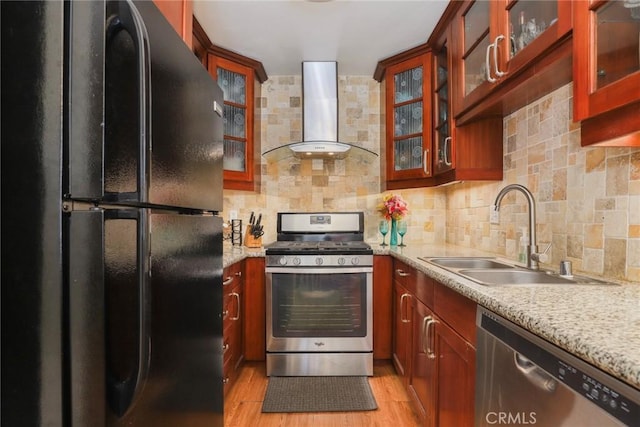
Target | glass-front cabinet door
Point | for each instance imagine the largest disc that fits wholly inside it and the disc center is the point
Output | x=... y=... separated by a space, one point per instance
x=472 y=28
x=497 y=38
x=527 y=29
x=236 y=82
x=606 y=62
x=408 y=123
x=442 y=127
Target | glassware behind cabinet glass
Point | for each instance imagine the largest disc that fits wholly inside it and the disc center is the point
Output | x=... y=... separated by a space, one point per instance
x=384 y=229
x=402 y=230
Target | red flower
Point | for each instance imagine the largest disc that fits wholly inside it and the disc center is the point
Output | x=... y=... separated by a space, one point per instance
x=393 y=206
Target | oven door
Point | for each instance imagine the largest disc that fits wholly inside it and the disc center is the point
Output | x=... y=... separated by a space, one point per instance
x=319 y=309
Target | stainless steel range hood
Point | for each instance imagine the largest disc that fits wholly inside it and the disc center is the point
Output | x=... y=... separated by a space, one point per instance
x=319 y=116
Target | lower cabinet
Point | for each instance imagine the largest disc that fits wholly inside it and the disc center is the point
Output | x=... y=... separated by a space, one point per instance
x=402 y=320
x=434 y=347
x=232 y=312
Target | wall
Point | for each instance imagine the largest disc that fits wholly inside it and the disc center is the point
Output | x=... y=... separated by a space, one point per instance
x=587 y=199
x=352 y=184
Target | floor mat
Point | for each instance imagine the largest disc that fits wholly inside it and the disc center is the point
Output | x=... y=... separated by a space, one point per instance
x=318 y=394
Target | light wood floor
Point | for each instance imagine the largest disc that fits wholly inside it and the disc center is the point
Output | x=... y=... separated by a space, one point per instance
x=243 y=405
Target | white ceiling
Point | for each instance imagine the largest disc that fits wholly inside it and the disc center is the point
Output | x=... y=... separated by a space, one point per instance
x=283 y=33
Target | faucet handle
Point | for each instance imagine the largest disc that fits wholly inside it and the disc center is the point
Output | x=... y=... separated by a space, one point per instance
x=541 y=256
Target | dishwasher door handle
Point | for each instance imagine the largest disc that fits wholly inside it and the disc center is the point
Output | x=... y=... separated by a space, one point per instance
x=534 y=374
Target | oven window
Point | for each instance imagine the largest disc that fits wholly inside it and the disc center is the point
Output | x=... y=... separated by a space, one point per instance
x=319 y=305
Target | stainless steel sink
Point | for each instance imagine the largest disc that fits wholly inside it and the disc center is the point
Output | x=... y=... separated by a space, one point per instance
x=492 y=272
x=513 y=277
x=519 y=276
x=467 y=262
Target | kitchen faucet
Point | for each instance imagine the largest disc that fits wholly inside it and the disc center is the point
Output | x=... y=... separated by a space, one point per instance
x=533 y=257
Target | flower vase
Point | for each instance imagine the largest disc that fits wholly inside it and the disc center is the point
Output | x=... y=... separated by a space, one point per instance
x=393 y=234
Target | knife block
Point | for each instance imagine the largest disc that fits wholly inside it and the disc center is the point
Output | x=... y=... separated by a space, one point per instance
x=250 y=241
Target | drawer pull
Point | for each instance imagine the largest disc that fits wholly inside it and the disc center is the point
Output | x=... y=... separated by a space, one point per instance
x=403 y=317
x=227 y=281
x=402 y=273
x=237 y=297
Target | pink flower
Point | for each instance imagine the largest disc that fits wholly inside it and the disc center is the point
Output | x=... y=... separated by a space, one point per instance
x=393 y=206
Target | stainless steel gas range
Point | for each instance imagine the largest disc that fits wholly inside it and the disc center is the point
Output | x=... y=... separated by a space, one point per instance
x=319 y=281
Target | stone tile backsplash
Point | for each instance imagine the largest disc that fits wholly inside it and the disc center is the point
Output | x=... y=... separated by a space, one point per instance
x=587 y=199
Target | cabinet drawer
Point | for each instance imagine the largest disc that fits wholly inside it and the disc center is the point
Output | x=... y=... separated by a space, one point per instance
x=231 y=277
x=414 y=281
x=457 y=311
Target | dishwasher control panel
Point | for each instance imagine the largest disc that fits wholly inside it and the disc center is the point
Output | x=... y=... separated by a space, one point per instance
x=605 y=396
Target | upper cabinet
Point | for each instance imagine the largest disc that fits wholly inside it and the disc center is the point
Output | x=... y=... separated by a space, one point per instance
x=241 y=81
x=236 y=82
x=179 y=13
x=606 y=67
x=499 y=45
x=471 y=151
x=443 y=143
x=408 y=122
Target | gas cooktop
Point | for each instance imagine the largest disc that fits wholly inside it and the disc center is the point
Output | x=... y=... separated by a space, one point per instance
x=295 y=247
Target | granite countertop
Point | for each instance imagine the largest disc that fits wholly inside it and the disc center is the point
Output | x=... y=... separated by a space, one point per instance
x=599 y=324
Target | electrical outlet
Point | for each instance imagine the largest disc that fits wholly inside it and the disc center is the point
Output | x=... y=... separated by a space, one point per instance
x=494 y=215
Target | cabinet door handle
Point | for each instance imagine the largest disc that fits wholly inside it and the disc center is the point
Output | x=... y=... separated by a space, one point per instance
x=430 y=337
x=403 y=318
x=227 y=281
x=447 y=153
x=495 y=56
x=424 y=335
x=401 y=273
x=487 y=64
x=426 y=162
x=237 y=297
x=225 y=347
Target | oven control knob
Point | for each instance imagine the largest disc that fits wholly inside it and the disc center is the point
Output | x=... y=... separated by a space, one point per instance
x=282 y=261
x=341 y=261
x=319 y=261
x=296 y=261
x=355 y=260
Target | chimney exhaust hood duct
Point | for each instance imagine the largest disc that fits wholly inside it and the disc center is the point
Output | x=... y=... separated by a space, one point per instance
x=319 y=116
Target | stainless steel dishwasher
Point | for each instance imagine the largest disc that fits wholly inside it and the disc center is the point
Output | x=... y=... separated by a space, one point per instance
x=522 y=379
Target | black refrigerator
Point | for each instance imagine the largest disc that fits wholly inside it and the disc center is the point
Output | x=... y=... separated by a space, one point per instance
x=111 y=240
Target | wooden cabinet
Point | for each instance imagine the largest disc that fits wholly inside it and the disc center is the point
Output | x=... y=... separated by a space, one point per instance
x=233 y=308
x=434 y=347
x=461 y=152
x=409 y=152
x=507 y=54
x=424 y=374
x=443 y=143
x=240 y=156
x=241 y=80
x=402 y=319
x=382 y=309
x=254 y=319
x=424 y=146
x=606 y=68
x=179 y=13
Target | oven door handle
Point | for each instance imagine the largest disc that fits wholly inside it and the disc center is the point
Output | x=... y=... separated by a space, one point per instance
x=326 y=270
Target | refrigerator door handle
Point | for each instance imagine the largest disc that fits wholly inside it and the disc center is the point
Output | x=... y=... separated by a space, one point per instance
x=130 y=20
x=122 y=394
